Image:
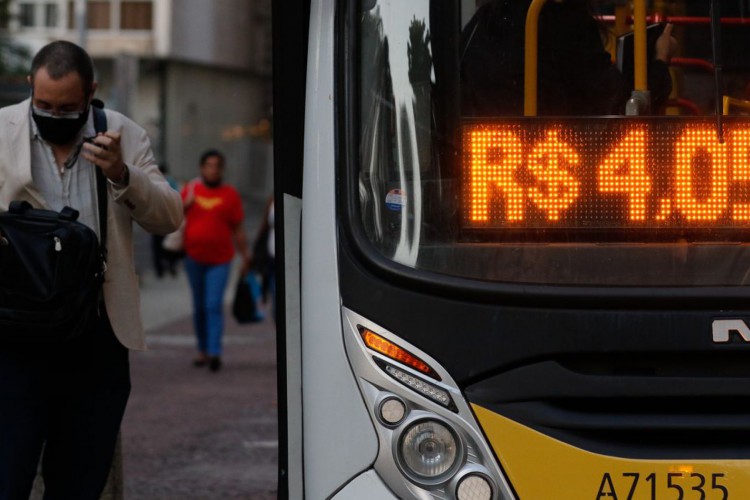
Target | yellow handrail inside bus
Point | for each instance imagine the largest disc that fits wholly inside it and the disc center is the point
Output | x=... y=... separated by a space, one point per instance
x=730 y=102
x=640 y=50
x=531 y=57
x=621 y=17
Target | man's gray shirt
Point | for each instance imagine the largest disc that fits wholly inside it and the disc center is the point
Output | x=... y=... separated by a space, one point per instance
x=60 y=186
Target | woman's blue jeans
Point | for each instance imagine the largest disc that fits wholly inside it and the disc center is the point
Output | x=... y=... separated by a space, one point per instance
x=208 y=282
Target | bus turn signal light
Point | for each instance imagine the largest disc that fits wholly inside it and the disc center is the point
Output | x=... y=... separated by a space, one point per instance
x=396 y=353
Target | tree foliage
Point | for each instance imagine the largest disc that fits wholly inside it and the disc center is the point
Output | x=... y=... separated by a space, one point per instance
x=14 y=58
x=4 y=13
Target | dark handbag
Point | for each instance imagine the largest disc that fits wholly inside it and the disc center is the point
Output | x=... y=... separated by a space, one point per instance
x=51 y=269
x=245 y=303
x=260 y=249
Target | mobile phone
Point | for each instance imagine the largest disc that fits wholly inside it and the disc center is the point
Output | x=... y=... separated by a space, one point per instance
x=90 y=140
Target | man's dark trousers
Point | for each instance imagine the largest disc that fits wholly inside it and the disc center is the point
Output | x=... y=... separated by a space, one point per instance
x=68 y=400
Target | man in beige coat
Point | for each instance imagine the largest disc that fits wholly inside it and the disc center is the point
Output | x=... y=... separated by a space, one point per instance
x=70 y=399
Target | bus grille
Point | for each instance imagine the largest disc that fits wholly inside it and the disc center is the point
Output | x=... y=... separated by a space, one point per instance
x=691 y=406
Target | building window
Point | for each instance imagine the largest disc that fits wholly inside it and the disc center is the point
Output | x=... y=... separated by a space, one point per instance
x=26 y=13
x=51 y=14
x=98 y=15
x=135 y=15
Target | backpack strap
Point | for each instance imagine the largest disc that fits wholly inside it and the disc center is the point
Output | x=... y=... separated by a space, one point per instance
x=100 y=125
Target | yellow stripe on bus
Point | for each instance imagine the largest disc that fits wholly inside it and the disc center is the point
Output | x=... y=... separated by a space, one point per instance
x=540 y=468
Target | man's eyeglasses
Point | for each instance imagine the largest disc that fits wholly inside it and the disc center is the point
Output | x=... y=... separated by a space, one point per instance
x=69 y=115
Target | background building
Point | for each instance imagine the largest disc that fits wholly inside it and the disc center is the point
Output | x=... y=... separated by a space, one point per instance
x=195 y=73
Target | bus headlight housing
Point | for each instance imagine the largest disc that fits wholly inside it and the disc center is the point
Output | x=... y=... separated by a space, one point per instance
x=430 y=444
x=428 y=450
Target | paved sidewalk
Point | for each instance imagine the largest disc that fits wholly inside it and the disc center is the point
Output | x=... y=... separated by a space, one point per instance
x=164 y=300
x=189 y=433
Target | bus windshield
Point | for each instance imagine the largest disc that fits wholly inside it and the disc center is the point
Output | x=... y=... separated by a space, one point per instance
x=622 y=159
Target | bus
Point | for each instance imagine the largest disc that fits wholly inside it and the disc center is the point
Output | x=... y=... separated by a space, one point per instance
x=497 y=280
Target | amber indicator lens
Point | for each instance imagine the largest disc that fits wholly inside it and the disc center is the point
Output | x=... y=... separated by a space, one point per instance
x=396 y=353
x=606 y=173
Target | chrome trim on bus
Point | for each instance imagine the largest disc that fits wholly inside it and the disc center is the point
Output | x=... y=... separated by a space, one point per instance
x=293 y=345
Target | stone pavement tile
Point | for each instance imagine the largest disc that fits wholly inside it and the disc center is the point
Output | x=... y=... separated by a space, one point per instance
x=192 y=434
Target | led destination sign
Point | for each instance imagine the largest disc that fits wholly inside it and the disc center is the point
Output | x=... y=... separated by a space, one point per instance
x=606 y=173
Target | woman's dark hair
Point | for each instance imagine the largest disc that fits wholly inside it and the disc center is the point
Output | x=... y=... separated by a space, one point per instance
x=591 y=7
x=61 y=58
x=213 y=152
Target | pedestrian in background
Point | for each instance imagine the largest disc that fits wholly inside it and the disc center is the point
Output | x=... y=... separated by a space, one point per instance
x=69 y=398
x=214 y=228
x=264 y=255
x=164 y=260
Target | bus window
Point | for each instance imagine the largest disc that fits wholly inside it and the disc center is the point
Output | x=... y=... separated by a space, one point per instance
x=452 y=179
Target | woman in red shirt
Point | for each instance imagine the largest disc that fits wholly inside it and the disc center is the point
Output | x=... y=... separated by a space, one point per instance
x=213 y=228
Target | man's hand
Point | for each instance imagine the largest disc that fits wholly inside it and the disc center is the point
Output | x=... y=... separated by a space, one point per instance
x=104 y=152
x=666 y=44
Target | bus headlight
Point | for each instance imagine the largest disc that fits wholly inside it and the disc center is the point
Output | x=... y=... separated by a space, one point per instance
x=428 y=450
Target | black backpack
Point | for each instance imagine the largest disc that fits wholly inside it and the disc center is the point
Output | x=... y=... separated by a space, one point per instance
x=51 y=269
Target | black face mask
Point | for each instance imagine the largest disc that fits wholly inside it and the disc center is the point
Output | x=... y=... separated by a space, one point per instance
x=213 y=184
x=59 y=130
